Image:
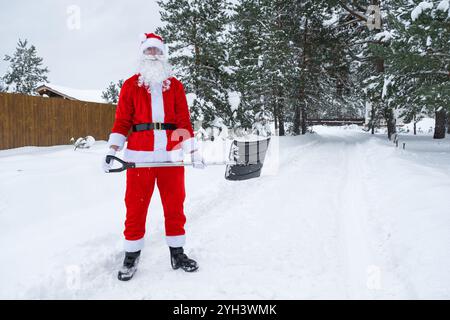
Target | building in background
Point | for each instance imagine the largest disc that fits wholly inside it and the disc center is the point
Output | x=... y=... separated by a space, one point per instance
x=56 y=91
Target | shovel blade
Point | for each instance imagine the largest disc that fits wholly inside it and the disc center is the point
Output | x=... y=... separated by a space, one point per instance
x=249 y=159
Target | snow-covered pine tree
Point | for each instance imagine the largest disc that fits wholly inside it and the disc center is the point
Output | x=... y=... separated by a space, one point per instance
x=247 y=37
x=25 y=71
x=291 y=63
x=195 y=32
x=419 y=60
x=261 y=58
x=343 y=96
x=315 y=65
x=111 y=94
x=276 y=61
x=372 y=70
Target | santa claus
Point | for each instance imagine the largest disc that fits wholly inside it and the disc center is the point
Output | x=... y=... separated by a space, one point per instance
x=153 y=106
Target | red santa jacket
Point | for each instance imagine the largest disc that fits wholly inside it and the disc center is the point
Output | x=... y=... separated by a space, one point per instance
x=162 y=102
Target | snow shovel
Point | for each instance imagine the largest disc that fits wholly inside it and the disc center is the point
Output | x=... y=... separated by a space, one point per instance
x=247 y=158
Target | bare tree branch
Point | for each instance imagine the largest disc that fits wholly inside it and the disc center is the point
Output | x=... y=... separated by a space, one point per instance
x=353 y=12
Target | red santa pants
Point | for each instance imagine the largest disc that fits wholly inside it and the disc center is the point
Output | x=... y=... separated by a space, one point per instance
x=140 y=186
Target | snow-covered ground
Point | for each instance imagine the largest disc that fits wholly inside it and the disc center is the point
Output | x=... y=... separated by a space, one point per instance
x=346 y=215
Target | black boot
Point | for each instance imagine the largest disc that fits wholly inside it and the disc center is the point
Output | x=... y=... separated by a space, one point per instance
x=129 y=266
x=181 y=260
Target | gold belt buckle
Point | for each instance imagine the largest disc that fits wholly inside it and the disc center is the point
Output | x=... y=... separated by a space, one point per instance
x=158 y=125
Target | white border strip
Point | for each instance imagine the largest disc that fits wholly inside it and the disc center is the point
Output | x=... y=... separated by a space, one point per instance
x=133 y=245
x=176 y=241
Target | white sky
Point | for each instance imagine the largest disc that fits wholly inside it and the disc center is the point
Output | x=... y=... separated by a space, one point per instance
x=103 y=49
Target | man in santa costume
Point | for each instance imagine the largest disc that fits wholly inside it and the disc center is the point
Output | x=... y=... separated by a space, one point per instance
x=153 y=106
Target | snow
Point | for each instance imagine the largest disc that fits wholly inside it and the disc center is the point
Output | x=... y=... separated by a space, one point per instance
x=421 y=7
x=234 y=98
x=84 y=142
x=345 y=215
x=384 y=36
x=79 y=94
x=443 y=5
x=386 y=84
x=424 y=126
x=190 y=99
x=332 y=20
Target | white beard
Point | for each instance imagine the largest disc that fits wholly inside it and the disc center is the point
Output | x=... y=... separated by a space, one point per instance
x=153 y=70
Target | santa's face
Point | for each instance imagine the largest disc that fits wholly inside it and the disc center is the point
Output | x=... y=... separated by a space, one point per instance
x=153 y=51
x=153 y=66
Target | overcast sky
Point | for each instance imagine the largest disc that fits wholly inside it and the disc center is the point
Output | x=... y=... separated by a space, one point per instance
x=86 y=52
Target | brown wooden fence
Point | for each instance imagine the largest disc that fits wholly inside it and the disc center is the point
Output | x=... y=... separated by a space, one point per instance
x=36 y=121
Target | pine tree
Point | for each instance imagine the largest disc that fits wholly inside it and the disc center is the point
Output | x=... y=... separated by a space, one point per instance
x=247 y=37
x=111 y=94
x=343 y=94
x=196 y=33
x=375 y=82
x=318 y=69
x=276 y=62
x=25 y=72
x=272 y=72
x=280 y=57
x=419 y=63
x=290 y=64
x=260 y=54
x=312 y=55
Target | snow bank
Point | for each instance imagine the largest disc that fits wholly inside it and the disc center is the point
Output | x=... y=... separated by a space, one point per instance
x=424 y=126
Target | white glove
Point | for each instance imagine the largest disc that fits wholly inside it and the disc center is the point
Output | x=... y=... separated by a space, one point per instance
x=197 y=160
x=107 y=166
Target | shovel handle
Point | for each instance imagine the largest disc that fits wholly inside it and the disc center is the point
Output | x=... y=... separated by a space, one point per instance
x=132 y=165
x=125 y=165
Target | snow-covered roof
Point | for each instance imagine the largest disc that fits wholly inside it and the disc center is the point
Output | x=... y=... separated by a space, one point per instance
x=72 y=94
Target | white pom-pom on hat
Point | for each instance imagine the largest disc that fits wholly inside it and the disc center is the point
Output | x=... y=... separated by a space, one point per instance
x=142 y=37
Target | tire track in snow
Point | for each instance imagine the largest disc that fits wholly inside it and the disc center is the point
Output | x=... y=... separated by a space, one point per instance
x=365 y=260
x=352 y=226
x=394 y=284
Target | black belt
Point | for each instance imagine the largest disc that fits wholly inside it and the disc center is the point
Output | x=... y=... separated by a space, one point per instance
x=154 y=126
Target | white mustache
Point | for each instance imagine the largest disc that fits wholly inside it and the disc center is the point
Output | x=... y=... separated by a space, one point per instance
x=153 y=58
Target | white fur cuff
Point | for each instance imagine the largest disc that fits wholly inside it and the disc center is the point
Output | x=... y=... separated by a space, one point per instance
x=176 y=241
x=117 y=139
x=133 y=245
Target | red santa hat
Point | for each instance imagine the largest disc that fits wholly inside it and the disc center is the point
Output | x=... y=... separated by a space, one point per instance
x=151 y=40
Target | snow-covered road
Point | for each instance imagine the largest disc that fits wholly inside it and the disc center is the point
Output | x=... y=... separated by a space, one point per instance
x=346 y=215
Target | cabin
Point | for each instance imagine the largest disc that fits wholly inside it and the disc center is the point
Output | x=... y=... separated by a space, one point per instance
x=61 y=92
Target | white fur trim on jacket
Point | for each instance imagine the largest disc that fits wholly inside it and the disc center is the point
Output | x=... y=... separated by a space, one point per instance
x=189 y=145
x=153 y=42
x=117 y=139
x=176 y=241
x=158 y=115
x=153 y=156
x=133 y=245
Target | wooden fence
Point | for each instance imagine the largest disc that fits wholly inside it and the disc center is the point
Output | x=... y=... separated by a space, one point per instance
x=37 y=121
